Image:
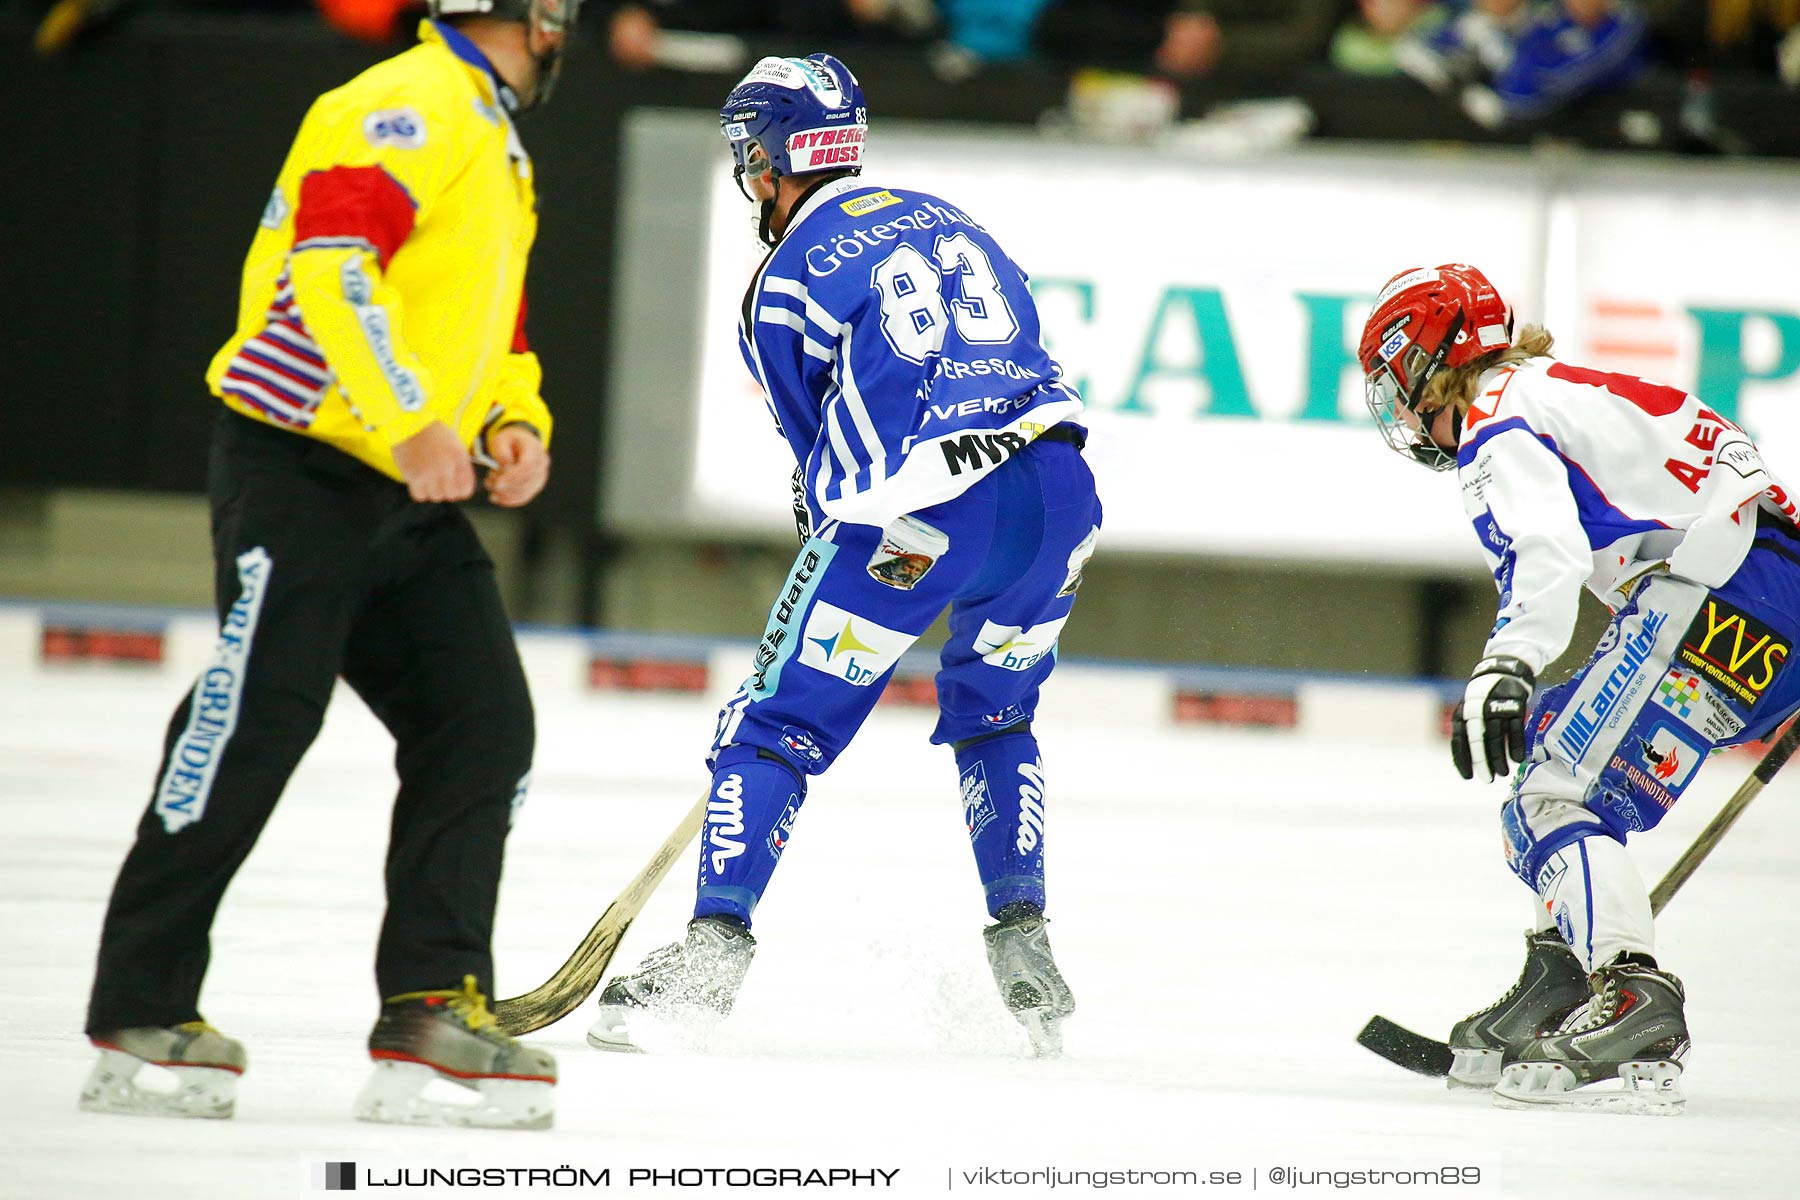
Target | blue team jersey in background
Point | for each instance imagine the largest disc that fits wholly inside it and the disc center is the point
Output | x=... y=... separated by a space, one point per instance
x=899 y=350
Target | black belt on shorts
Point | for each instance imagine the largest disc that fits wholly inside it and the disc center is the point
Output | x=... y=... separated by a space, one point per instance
x=1074 y=435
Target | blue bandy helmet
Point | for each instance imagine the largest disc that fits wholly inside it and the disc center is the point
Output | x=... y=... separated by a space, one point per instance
x=801 y=114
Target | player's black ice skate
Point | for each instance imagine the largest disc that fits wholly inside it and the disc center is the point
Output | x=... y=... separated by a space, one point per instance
x=692 y=983
x=1018 y=951
x=440 y=1059
x=1551 y=984
x=1633 y=1029
x=186 y=1070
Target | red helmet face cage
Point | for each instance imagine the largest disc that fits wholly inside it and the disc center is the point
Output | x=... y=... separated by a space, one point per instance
x=1424 y=320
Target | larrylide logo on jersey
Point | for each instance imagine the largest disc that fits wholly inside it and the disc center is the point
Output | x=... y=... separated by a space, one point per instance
x=1586 y=720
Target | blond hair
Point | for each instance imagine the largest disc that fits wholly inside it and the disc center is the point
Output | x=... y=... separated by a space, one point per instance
x=1456 y=385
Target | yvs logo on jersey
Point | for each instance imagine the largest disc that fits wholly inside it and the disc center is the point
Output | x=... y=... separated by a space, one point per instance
x=853 y=648
x=1734 y=650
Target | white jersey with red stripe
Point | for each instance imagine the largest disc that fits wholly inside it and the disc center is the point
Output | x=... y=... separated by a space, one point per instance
x=1575 y=477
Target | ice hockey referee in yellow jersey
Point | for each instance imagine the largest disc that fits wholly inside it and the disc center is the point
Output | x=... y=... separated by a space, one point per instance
x=380 y=357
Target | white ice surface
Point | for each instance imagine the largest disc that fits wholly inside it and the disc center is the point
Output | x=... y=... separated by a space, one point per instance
x=1228 y=907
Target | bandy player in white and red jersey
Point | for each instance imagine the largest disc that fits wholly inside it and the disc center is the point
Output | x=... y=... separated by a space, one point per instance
x=1665 y=510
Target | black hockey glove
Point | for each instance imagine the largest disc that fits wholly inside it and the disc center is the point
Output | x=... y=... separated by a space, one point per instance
x=1492 y=716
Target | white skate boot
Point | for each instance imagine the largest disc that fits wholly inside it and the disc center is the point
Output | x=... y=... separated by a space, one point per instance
x=186 y=1070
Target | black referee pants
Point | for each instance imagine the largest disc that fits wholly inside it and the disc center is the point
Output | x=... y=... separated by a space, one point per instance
x=324 y=567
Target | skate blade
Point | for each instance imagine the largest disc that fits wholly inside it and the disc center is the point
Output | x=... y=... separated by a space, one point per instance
x=409 y=1093
x=612 y=1032
x=1044 y=1030
x=125 y=1084
x=1472 y=1069
x=1651 y=1087
x=662 y=1027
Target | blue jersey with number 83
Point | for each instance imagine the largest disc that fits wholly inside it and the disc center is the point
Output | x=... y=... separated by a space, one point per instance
x=899 y=350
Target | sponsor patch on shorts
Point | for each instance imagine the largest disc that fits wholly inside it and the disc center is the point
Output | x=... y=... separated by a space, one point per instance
x=1018 y=649
x=1733 y=650
x=1699 y=705
x=977 y=801
x=1655 y=764
x=854 y=648
x=1078 y=560
x=909 y=548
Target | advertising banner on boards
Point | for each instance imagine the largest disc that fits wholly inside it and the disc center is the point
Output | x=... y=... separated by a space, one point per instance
x=1208 y=312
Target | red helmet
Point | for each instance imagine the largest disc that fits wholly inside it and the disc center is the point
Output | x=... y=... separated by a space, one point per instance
x=1425 y=319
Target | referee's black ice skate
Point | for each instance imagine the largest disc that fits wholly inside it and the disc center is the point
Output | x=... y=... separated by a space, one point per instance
x=440 y=1059
x=1633 y=1029
x=692 y=983
x=1018 y=951
x=1551 y=984
x=186 y=1070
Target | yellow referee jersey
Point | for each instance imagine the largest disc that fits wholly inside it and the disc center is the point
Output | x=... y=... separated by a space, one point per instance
x=385 y=288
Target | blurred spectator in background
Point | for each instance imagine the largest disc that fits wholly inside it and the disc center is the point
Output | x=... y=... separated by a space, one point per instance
x=1754 y=35
x=636 y=28
x=990 y=30
x=1189 y=39
x=1365 y=44
x=372 y=20
x=1511 y=60
x=1473 y=45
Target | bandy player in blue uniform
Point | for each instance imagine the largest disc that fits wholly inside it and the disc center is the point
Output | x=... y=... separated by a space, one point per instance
x=939 y=466
x=1665 y=511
